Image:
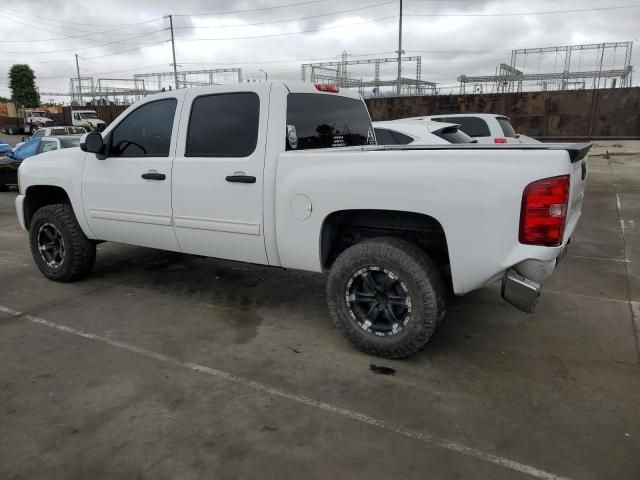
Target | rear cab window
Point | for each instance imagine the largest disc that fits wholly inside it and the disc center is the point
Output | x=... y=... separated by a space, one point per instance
x=507 y=128
x=326 y=121
x=472 y=126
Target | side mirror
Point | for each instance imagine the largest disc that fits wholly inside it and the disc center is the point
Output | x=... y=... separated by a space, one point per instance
x=92 y=142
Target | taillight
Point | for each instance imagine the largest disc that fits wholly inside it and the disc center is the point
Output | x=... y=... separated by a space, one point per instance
x=327 y=87
x=544 y=211
x=499 y=140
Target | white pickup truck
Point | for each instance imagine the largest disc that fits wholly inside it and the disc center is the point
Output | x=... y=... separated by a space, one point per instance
x=288 y=175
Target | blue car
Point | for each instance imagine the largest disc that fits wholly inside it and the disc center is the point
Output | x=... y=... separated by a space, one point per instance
x=10 y=163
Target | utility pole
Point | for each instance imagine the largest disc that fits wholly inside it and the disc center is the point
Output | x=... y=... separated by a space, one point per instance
x=400 y=52
x=79 y=82
x=173 y=48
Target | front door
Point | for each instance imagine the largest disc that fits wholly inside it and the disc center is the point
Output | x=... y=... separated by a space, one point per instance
x=127 y=195
x=218 y=173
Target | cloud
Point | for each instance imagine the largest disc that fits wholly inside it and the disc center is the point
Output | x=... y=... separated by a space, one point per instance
x=471 y=45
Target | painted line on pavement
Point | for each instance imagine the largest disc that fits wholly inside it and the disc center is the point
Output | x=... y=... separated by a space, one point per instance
x=327 y=407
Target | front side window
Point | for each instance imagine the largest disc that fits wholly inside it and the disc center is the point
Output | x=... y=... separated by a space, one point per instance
x=392 y=137
x=384 y=137
x=325 y=121
x=145 y=132
x=76 y=116
x=223 y=125
x=38 y=134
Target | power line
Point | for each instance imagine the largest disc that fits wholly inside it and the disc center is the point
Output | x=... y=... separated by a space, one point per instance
x=126 y=51
x=86 y=35
x=228 y=12
x=95 y=46
x=518 y=14
x=368 y=7
x=288 y=33
x=78 y=23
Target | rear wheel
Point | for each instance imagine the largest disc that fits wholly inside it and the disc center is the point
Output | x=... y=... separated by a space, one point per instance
x=386 y=296
x=59 y=247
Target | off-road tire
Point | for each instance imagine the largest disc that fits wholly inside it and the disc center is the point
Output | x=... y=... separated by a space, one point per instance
x=422 y=279
x=80 y=252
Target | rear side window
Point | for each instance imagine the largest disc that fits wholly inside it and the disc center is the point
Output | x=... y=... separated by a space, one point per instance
x=391 y=137
x=145 y=132
x=472 y=126
x=506 y=126
x=453 y=135
x=325 y=121
x=223 y=125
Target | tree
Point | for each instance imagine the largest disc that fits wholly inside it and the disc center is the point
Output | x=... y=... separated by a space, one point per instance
x=22 y=82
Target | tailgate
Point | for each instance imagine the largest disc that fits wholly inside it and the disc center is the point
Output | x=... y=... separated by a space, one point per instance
x=577 y=187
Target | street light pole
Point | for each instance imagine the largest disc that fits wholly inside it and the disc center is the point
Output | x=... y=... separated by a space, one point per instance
x=79 y=82
x=173 y=49
x=266 y=77
x=400 y=52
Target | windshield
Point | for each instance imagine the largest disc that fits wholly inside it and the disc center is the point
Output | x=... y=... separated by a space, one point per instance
x=88 y=115
x=69 y=142
x=37 y=114
x=325 y=121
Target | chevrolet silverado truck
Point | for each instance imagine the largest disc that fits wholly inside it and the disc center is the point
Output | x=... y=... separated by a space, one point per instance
x=289 y=175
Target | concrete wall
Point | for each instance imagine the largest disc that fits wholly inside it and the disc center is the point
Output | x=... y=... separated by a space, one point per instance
x=612 y=112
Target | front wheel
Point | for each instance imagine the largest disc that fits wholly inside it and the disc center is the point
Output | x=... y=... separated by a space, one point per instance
x=386 y=296
x=59 y=247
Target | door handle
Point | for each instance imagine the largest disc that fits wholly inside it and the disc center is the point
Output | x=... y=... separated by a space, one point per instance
x=241 y=179
x=153 y=176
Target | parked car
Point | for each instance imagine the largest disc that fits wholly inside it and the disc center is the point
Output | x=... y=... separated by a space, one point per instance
x=53 y=132
x=88 y=119
x=4 y=148
x=27 y=121
x=418 y=132
x=287 y=174
x=484 y=127
x=9 y=164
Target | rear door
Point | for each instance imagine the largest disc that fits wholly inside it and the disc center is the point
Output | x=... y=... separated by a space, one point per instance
x=218 y=173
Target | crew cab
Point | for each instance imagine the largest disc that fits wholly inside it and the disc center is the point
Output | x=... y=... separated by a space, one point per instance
x=288 y=175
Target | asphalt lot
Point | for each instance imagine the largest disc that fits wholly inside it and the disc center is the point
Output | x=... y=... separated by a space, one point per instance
x=165 y=366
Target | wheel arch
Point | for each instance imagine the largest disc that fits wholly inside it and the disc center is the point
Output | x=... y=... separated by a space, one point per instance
x=343 y=228
x=37 y=196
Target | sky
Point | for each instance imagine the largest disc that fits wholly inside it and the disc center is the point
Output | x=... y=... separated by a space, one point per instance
x=117 y=38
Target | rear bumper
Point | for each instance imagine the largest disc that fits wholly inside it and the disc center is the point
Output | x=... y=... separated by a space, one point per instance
x=522 y=284
x=520 y=291
x=20 y=211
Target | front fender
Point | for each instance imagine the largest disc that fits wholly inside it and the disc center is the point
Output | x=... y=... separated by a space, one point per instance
x=61 y=169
